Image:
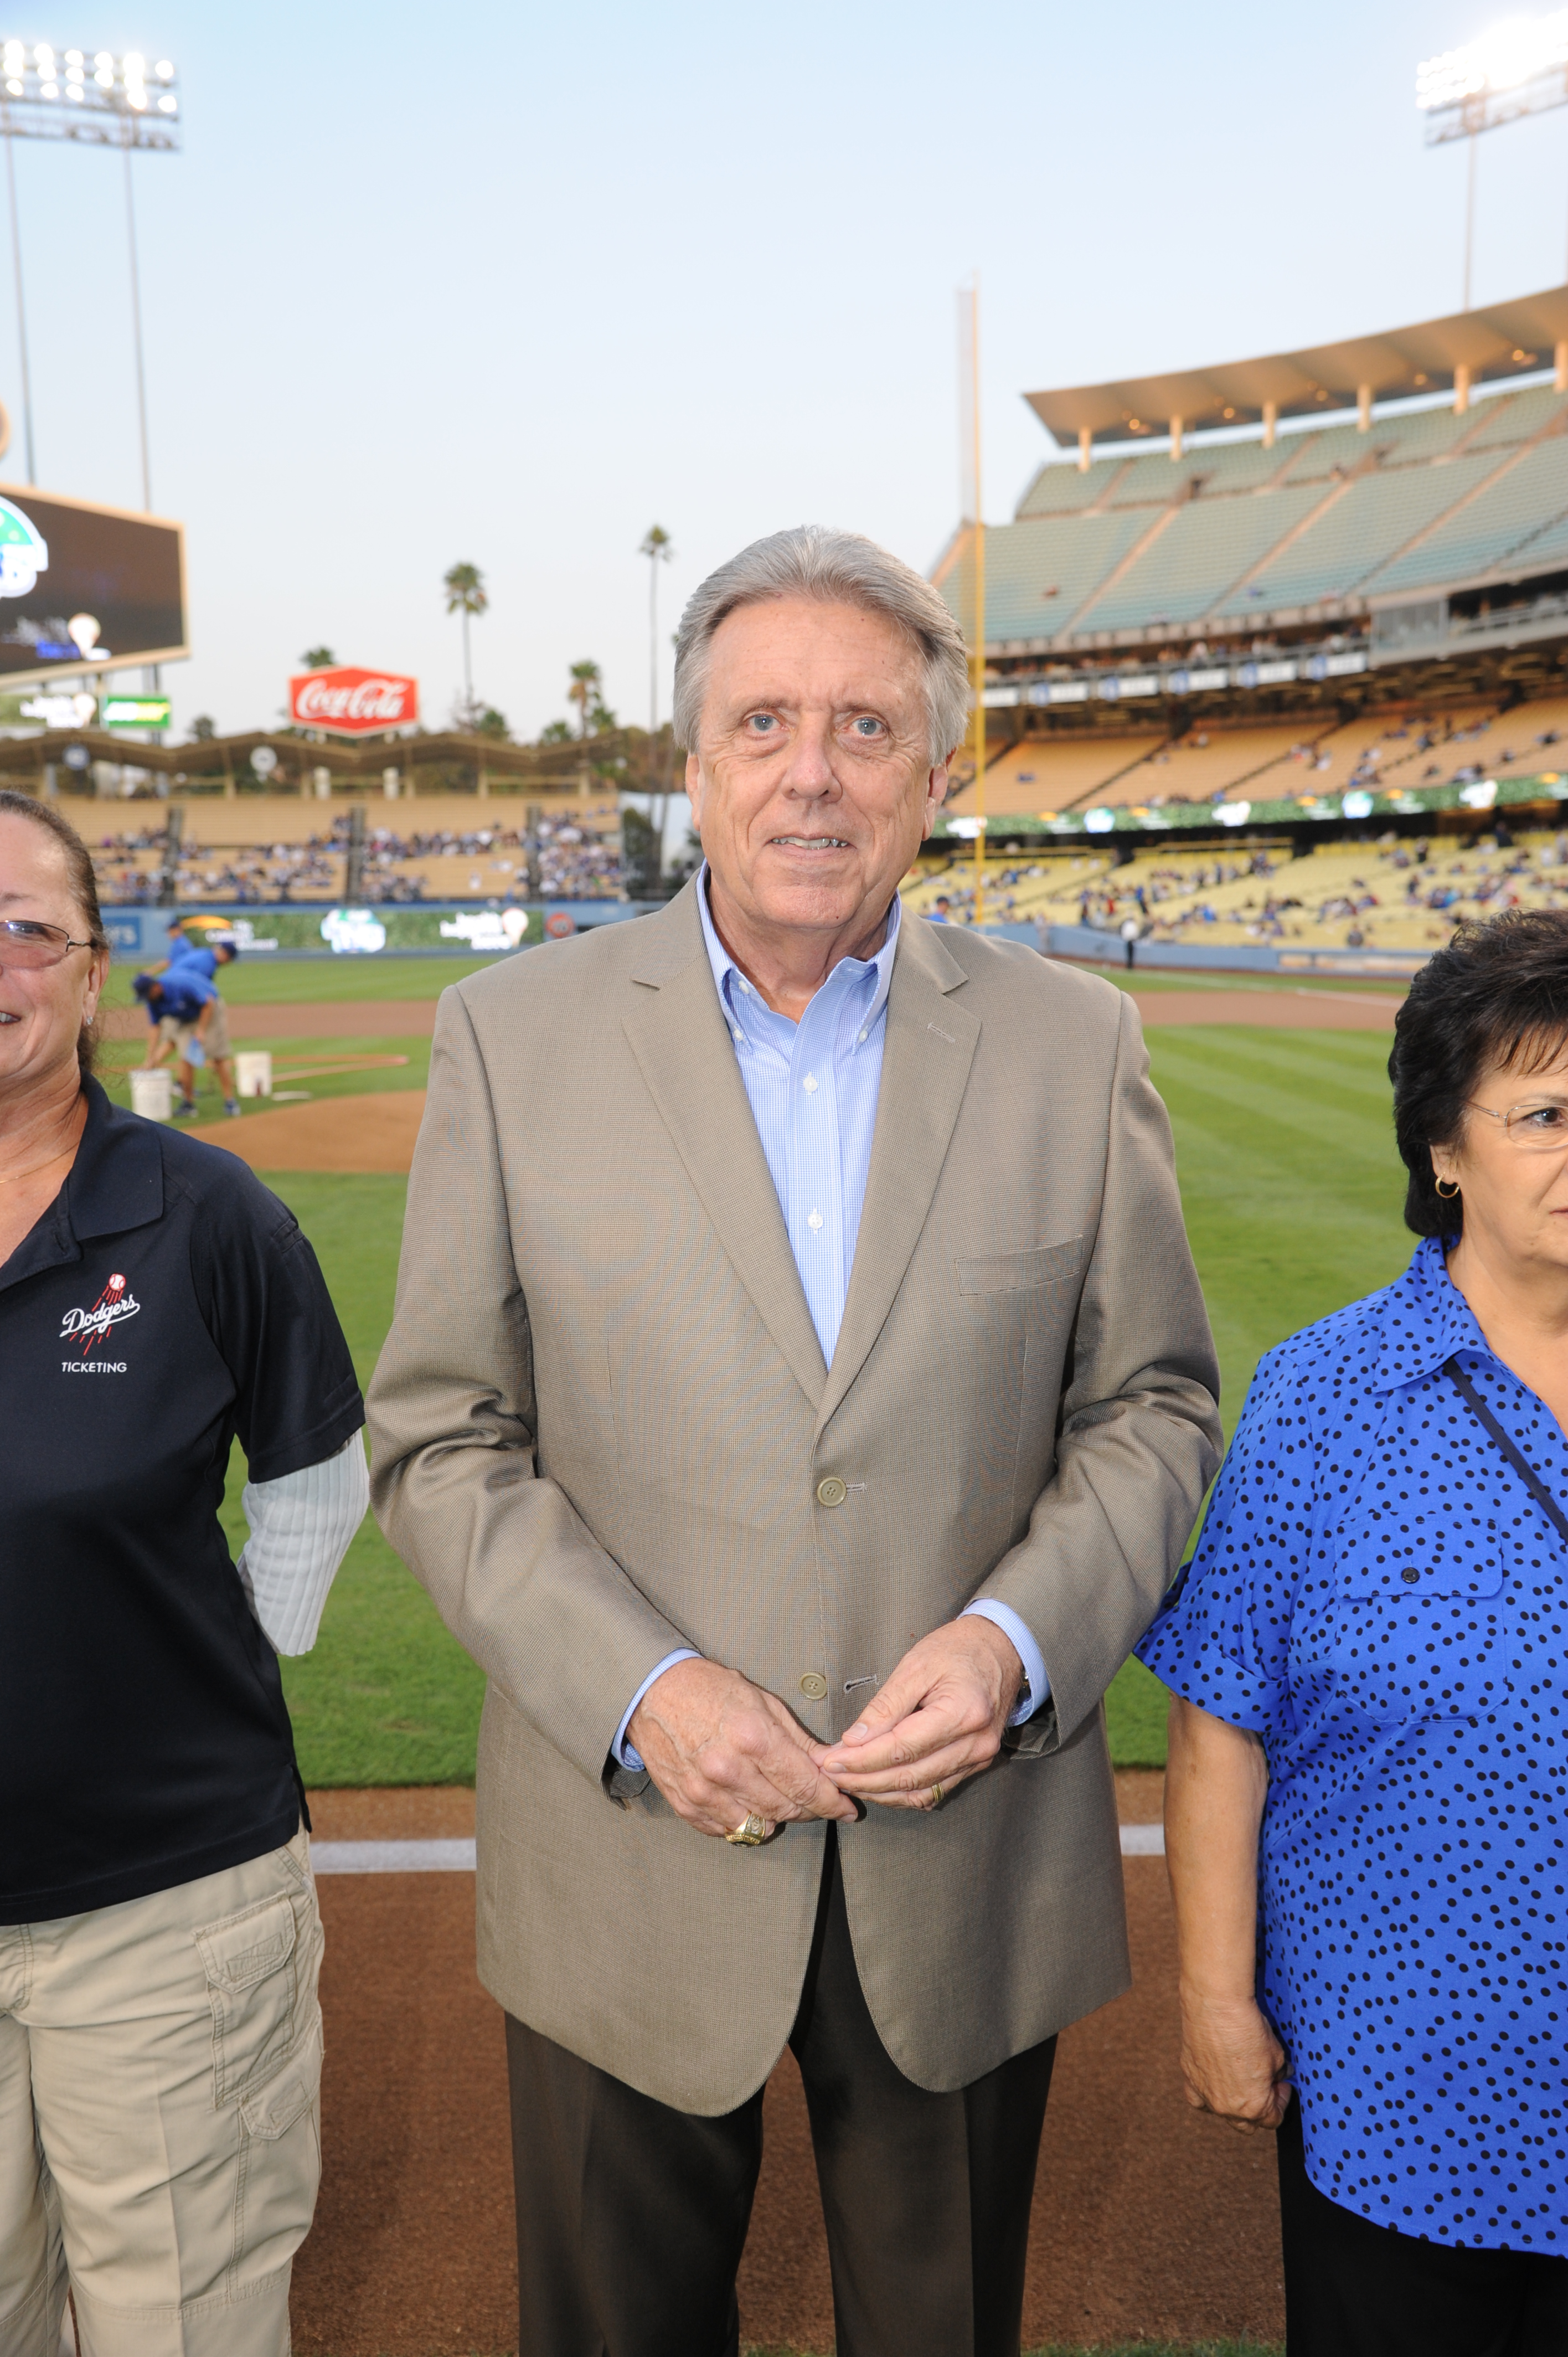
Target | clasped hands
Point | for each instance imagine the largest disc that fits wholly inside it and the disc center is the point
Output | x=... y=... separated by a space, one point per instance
x=721 y=1749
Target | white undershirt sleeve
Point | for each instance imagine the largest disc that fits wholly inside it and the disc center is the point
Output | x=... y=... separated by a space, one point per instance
x=300 y=1528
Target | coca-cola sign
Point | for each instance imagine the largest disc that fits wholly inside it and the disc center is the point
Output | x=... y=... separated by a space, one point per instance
x=353 y=703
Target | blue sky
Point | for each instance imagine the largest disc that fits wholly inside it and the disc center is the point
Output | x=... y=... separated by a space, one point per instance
x=510 y=286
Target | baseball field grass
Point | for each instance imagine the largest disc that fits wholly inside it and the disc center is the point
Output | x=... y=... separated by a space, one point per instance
x=296 y=982
x=1293 y=1194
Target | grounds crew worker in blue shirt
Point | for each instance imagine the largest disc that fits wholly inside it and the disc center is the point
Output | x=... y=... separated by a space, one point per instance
x=160 y=2045
x=188 y=1018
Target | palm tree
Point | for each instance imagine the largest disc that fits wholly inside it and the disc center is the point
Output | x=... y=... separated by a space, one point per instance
x=587 y=692
x=318 y=658
x=466 y=594
x=659 y=549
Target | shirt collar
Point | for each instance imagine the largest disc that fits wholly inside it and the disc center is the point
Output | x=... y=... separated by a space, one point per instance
x=723 y=965
x=117 y=1179
x=1425 y=1320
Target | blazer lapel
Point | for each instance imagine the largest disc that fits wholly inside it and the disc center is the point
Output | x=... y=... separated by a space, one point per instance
x=677 y=1032
x=927 y=1054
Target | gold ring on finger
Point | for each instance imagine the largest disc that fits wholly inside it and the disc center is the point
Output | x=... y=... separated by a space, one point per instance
x=936 y=1796
x=751 y=1834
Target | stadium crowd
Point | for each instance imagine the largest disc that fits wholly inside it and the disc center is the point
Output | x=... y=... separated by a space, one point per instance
x=576 y=860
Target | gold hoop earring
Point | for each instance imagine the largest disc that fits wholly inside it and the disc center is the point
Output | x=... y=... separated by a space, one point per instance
x=1447 y=1188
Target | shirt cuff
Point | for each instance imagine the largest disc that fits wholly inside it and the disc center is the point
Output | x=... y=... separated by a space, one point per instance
x=1037 y=1685
x=623 y=1754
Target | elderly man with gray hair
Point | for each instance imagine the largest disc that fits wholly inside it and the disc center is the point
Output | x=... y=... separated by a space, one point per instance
x=799 y=1396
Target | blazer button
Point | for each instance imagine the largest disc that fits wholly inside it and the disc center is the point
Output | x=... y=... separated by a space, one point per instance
x=1410 y=1575
x=813 y=1685
x=831 y=1491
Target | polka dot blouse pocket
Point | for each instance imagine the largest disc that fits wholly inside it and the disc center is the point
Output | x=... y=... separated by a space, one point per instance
x=1419 y=1606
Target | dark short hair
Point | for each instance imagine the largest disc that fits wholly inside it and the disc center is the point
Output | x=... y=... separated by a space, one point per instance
x=1496 y=996
x=83 y=887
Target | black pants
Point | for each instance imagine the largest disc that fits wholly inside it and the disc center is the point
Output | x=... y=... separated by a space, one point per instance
x=1354 y=2289
x=631 y=2216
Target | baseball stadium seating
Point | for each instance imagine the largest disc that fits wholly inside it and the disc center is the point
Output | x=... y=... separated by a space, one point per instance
x=1236 y=533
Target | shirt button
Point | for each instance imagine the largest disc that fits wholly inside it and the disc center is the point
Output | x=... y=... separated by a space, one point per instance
x=814 y=1220
x=1410 y=1575
x=863 y=1038
x=831 y=1491
x=813 y=1685
x=809 y=1084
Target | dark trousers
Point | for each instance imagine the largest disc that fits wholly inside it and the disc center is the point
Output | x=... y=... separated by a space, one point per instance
x=1354 y=2289
x=631 y=2216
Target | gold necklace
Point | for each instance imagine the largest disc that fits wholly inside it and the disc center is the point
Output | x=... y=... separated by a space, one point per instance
x=10 y=1178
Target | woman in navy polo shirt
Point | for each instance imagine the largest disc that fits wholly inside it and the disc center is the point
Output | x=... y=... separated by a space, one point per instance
x=159 y=1942
x=1366 y=1805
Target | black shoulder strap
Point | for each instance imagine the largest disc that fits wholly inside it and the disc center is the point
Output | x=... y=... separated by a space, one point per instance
x=1522 y=1465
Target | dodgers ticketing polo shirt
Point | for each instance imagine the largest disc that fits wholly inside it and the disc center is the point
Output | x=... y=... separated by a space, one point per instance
x=164 y=1302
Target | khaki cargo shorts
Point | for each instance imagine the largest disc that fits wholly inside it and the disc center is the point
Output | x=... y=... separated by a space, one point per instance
x=215 y=1040
x=160 y=2072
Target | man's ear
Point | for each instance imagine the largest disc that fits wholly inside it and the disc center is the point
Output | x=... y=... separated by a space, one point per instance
x=937 y=785
x=694 y=789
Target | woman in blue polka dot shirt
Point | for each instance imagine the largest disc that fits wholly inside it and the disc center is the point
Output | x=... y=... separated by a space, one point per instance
x=1365 y=1813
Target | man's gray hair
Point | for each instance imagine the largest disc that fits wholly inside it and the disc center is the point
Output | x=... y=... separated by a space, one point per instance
x=833 y=568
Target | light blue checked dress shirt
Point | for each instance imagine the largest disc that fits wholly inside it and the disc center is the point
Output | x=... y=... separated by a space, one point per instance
x=813 y=1087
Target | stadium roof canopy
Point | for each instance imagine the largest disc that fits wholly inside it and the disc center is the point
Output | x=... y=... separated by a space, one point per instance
x=1440 y=356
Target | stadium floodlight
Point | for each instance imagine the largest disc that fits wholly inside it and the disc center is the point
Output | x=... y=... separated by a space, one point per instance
x=98 y=100
x=1518 y=67
x=91 y=96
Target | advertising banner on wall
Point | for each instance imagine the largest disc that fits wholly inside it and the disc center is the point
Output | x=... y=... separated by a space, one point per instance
x=348 y=703
x=84 y=587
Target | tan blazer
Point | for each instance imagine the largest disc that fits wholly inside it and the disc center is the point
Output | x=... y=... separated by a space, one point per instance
x=600 y=1423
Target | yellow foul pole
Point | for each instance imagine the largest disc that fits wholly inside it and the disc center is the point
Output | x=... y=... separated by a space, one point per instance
x=980 y=727
x=977 y=653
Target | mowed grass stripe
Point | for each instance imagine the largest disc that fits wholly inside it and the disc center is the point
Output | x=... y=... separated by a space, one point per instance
x=1292 y=1189
x=1357 y=1074
x=253 y=981
x=1331 y=1119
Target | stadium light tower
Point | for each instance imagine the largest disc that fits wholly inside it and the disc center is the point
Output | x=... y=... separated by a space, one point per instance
x=98 y=99
x=1518 y=67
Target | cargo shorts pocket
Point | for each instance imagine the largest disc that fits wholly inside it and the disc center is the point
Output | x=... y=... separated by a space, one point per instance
x=252 y=1983
x=273 y=2110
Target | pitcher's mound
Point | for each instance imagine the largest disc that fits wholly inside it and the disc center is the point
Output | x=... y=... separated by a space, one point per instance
x=351 y=1133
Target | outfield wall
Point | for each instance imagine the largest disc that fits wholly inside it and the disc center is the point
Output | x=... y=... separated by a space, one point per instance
x=274 y=932
x=1097 y=948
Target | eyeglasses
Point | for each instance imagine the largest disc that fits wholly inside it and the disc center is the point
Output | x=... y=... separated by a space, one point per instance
x=1539 y=1125
x=25 y=942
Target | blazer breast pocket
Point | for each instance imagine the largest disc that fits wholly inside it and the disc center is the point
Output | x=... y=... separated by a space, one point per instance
x=1419 y=1604
x=1021 y=1272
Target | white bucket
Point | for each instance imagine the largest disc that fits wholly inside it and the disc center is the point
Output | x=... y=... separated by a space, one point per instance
x=152 y=1095
x=254 y=1073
